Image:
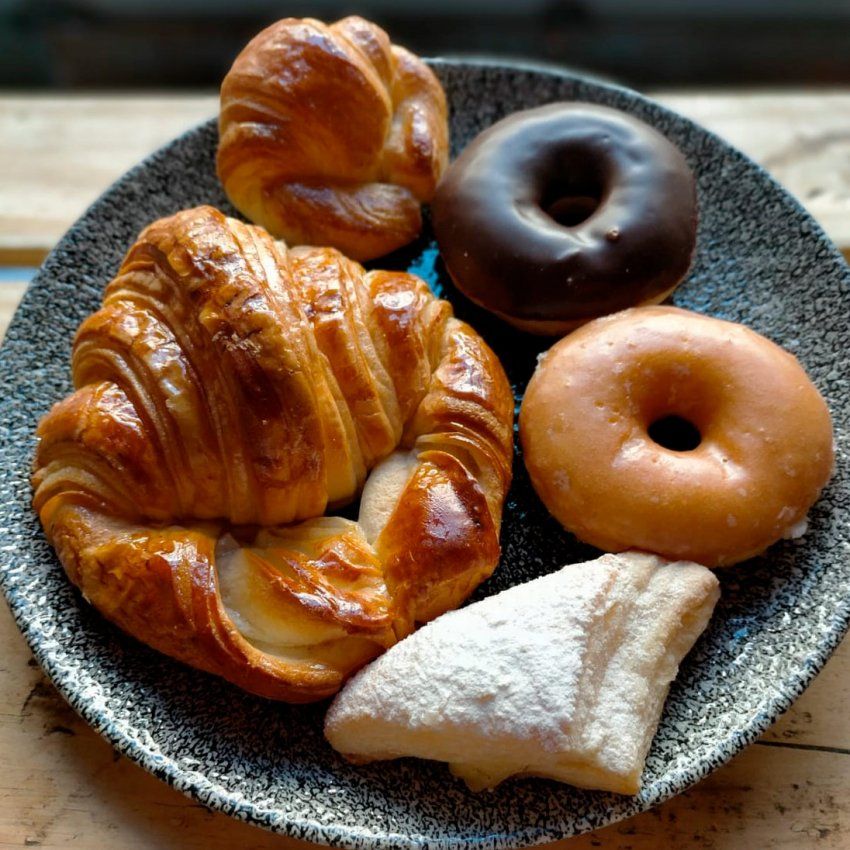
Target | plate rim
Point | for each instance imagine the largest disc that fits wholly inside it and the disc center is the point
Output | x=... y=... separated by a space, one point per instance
x=196 y=785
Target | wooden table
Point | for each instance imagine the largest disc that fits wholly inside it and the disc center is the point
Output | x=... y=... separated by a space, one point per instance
x=63 y=787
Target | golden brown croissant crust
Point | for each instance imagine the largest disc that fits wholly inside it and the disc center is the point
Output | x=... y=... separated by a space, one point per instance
x=331 y=135
x=229 y=390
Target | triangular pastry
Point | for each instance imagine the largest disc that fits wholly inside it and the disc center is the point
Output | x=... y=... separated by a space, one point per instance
x=563 y=677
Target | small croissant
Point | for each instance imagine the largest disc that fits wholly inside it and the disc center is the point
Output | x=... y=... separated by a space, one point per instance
x=331 y=135
x=228 y=392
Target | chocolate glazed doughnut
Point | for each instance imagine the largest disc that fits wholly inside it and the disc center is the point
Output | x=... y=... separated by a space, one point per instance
x=557 y=215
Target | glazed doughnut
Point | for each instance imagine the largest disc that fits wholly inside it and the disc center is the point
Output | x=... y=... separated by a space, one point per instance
x=664 y=430
x=560 y=214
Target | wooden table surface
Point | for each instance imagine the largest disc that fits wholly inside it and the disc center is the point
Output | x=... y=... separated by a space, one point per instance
x=64 y=787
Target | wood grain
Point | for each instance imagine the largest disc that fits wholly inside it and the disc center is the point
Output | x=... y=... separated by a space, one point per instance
x=11 y=293
x=57 y=154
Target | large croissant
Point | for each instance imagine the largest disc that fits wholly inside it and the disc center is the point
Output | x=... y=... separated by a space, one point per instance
x=331 y=135
x=231 y=389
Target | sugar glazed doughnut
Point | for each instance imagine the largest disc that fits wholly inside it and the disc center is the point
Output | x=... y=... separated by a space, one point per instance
x=560 y=214
x=664 y=430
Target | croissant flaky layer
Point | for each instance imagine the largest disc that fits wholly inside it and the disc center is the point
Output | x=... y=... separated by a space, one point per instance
x=331 y=135
x=229 y=391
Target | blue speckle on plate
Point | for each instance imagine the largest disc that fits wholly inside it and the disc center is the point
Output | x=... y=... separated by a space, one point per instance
x=425 y=266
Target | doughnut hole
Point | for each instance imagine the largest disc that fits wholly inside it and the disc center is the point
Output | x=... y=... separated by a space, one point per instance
x=589 y=429
x=572 y=192
x=571 y=210
x=675 y=433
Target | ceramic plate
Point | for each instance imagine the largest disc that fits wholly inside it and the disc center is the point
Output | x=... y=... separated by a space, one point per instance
x=760 y=260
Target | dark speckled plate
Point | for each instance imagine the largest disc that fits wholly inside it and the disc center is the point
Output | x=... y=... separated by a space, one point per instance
x=761 y=260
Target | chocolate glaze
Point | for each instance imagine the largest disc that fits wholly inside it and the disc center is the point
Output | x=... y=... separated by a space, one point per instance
x=624 y=197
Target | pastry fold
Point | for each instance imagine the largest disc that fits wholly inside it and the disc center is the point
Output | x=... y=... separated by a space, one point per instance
x=563 y=677
x=229 y=391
